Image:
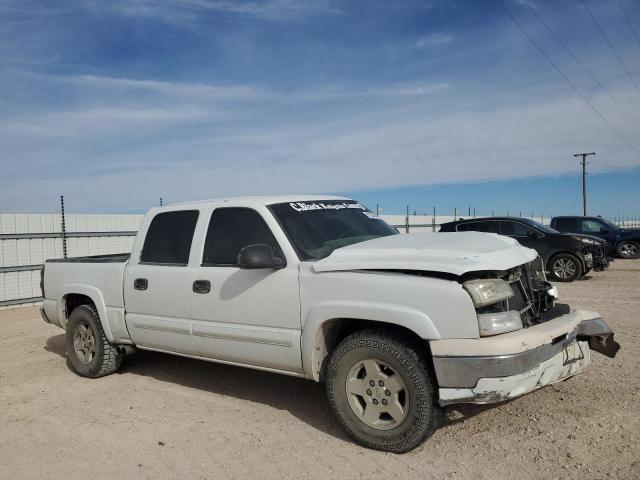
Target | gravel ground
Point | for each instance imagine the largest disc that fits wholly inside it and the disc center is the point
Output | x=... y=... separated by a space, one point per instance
x=169 y=417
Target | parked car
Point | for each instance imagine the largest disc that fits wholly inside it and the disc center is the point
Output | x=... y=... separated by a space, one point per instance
x=314 y=287
x=566 y=257
x=622 y=242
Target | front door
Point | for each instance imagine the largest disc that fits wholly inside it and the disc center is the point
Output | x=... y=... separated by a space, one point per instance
x=526 y=236
x=157 y=286
x=244 y=316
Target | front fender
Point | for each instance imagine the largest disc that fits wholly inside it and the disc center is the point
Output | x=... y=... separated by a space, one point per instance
x=314 y=349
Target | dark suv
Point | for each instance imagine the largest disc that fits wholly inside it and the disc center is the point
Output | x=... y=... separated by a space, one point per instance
x=567 y=257
x=625 y=243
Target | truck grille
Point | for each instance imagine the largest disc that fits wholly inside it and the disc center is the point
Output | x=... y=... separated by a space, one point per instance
x=530 y=293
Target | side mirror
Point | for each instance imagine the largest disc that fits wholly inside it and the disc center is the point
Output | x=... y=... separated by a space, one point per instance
x=532 y=234
x=603 y=230
x=259 y=256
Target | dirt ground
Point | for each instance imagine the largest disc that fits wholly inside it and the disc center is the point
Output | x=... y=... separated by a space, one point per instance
x=169 y=417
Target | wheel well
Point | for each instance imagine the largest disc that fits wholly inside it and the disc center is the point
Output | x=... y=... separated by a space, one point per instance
x=334 y=331
x=73 y=301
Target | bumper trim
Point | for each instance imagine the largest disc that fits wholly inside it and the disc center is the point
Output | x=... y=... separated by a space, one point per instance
x=466 y=371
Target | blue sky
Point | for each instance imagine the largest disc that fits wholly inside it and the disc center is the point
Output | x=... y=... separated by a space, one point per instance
x=423 y=103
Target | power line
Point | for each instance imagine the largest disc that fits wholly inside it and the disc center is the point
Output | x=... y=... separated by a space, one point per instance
x=571 y=84
x=587 y=71
x=595 y=20
x=631 y=27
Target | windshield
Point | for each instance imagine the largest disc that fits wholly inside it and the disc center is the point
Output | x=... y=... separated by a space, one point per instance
x=317 y=228
x=538 y=225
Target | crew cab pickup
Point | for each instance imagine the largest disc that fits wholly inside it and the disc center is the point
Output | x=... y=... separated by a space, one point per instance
x=395 y=325
x=620 y=241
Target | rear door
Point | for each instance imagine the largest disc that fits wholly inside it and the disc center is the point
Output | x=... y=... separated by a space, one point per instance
x=245 y=316
x=157 y=288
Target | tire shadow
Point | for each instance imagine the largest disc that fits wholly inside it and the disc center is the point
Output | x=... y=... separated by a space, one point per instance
x=304 y=399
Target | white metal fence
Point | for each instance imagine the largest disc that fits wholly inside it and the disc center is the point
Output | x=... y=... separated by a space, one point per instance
x=27 y=240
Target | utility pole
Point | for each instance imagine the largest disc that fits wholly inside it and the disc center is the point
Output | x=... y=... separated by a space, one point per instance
x=583 y=162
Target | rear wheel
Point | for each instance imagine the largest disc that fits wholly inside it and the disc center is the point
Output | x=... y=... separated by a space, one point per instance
x=90 y=353
x=380 y=391
x=565 y=267
x=629 y=249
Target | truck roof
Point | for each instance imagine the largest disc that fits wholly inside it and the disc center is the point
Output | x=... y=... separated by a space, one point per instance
x=264 y=200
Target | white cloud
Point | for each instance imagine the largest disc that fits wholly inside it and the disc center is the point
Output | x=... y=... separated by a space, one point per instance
x=178 y=11
x=168 y=88
x=435 y=39
x=102 y=121
x=365 y=151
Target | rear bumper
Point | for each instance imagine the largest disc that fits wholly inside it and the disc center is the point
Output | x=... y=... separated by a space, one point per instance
x=44 y=315
x=531 y=358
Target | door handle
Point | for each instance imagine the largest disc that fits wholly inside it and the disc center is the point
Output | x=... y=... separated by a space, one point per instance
x=201 y=286
x=140 y=284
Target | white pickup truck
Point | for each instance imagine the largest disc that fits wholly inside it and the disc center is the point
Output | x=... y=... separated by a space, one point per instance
x=317 y=287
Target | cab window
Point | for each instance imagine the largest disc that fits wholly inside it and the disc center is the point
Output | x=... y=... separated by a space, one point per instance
x=168 y=240
x=590 y=226
x=230 y=230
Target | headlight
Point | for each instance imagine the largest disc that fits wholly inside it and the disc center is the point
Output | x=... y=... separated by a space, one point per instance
x=588 y=241
x=488 y=291
x=501 y=322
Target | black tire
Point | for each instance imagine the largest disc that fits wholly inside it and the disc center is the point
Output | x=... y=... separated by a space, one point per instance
x=410 y=364
x=572 y=271
x=628 y=249
x=104 y=358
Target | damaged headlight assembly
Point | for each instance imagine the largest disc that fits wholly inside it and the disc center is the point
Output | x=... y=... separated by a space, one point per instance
x=487 y=292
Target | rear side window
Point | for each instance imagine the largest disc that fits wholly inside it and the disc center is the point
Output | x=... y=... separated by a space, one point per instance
x=483 y=226
x=232 y=229
x=565 y=225
x=169 y=237
x=514 y=229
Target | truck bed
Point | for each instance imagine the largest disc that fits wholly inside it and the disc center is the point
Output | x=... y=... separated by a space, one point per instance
x=111 y=258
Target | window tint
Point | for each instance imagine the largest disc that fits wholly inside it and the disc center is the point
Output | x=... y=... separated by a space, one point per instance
x=590 y=226
x=482 y=226
x=232 y=229
x=566 y=225
x=169 y=238
x=514 y=229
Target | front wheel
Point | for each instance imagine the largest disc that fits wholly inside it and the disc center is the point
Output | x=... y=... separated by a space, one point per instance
x=565 y=267
x=381 y=392
x=90 y=353
x=629 y=249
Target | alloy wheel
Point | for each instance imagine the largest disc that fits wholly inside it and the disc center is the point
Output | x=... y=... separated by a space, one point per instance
x=564 y=268
x=377 y=394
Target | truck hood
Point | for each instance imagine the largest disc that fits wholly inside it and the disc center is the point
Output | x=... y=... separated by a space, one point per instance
x=453 y=253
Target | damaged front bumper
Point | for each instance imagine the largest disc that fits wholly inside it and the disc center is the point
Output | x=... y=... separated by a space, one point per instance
x=469 y=371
